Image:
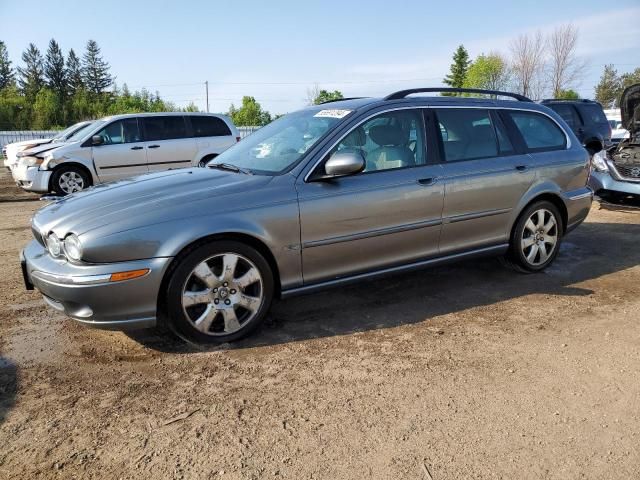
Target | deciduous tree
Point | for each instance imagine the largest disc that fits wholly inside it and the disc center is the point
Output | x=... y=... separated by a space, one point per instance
x=565 y=68
x=249 y=114
x=489 y=72
x=527 y=64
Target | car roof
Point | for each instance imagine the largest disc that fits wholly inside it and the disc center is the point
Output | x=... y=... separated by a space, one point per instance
x=164 y=114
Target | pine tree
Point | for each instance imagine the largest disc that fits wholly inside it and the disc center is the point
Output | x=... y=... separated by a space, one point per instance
x=31 y=77
x=607 y=90
x=95 y=69
x=74 y=73
x=54 y=70
x=459 y=68
x=6 y=72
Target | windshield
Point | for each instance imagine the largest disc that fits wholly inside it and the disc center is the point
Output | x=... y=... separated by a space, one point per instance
x=80 y=134
x=279 y=145
x=62 y=135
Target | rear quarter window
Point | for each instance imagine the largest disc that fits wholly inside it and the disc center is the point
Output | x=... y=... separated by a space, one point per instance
x=593 y=113
x=209 y=127
x=538 y=131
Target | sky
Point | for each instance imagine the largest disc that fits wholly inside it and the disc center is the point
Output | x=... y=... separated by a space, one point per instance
x=277 y=50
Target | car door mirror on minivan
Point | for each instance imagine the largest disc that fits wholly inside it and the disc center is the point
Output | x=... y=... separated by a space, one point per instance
x=342 y=164
x=97 y=140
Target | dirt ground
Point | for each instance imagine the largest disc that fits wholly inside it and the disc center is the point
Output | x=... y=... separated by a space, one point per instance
x=469 y=371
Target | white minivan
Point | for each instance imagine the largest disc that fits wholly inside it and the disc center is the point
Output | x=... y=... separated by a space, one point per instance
x=126 y=145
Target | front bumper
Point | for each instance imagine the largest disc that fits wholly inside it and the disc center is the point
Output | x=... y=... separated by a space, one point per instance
x=84 y=293
x=611 y=182
x=31 y=179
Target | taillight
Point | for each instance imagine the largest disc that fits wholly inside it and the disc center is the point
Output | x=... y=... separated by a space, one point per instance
x=237 y=139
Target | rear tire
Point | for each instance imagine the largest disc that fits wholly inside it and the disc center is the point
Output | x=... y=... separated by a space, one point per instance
x=69 y=179
x=219 y=292
x=535 y=238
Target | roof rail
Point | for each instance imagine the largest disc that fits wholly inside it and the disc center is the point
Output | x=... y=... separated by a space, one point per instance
x=551 y=100
x=340 y=100
x=403 y=93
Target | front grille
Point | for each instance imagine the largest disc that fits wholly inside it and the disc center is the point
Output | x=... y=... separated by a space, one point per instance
x=629 y=171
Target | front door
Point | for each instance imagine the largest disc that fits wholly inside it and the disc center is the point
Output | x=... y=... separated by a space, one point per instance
x=122 y=153
x=167 y=142
x=389 y=214
x=484 y=178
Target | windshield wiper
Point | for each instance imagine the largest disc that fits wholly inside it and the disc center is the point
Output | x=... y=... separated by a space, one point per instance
x=229 y=167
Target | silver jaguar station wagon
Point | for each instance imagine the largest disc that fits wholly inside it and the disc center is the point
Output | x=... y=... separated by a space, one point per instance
x=336 y=193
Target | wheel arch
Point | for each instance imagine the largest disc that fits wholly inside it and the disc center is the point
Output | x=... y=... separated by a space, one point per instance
x=549 y=196
x=244 y=238
x=79 y=165
x=594 y=144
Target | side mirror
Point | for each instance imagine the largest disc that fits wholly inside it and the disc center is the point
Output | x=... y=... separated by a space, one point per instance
x=97 y=140
x=342 y=164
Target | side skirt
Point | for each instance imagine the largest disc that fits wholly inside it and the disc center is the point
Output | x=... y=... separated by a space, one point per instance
x=433 y=262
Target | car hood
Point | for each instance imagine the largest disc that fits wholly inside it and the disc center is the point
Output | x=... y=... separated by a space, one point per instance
x=40 y=149
x=35 y=141
x=630 y=107
x=148 y=199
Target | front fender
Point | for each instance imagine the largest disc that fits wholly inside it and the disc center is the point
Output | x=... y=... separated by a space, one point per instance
x=83 y=162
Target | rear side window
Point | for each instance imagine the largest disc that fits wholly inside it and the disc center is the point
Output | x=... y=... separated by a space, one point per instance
x=467 y=134
x=539 y=131
x=592 y=113
x=164 y=128
x=568 y=114
x=209 y=127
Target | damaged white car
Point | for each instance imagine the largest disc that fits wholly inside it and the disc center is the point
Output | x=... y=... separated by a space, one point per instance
x=616 y=172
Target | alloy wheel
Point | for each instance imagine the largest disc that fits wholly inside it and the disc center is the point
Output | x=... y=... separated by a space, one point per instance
x=71 y=182
x=539 y=237
x=222 y=294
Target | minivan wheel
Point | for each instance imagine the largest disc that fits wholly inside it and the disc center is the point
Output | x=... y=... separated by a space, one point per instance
x=69 y=179
x=536 y=238
x=219 y=292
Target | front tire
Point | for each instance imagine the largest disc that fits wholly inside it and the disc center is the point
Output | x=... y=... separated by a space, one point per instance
x=535 y=239
x=219 y=292
x=69 y=179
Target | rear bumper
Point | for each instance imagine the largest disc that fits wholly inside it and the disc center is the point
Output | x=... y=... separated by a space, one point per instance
x=31 y=179
x=605 y=181
x=578 y=203
x=84 y=293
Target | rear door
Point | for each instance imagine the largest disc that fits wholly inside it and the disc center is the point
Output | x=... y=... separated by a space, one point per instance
x=212 y=134
x=168 y=142
x=122 y=153
x=484 y=176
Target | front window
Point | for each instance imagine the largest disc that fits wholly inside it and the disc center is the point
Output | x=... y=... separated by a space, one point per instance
x=281 y=144
x=121 y=131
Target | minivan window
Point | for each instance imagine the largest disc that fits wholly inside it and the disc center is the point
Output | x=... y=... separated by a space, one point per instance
x=164 y=128
x=389 y=141
x=467 y=133
x=539 y=131
x=209 y=127
x=120 y=131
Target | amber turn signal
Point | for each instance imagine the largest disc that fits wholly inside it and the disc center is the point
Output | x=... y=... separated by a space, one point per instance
x=119 y=276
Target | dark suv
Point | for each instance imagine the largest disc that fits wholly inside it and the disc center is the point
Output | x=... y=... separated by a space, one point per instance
x=587 y=120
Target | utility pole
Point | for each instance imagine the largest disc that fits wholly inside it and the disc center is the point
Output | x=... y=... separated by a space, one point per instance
x=206 y=87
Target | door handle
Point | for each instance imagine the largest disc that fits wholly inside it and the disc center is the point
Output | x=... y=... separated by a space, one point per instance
x=522 y=168
x=136 y=148
x=425 y=182
x=153 y=146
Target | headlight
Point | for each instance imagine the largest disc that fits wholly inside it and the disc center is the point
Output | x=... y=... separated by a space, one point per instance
x=33 y=161
x=598 y=160
x=73 y=247
x=54 y=245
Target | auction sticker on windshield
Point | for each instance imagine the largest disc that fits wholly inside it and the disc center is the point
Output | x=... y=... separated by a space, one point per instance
x=333 y=113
